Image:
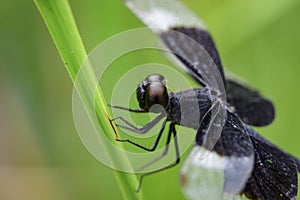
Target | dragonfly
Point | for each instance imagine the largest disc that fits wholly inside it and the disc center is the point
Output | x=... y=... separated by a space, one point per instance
x=229 y=159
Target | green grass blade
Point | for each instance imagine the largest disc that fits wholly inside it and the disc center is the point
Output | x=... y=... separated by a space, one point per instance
x=60 y=22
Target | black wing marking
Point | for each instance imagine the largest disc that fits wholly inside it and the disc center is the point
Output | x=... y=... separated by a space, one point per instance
x=274 y=175
x=251 y=107
x=196 y=55
x=205 y=40
x=234 y=140
x=263 y=140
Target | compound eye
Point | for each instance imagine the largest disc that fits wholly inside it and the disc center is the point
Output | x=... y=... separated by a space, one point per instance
x=152 y=91
x=156 y=78
x=156 y=94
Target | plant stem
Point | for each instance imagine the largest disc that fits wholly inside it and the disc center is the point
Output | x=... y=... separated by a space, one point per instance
x=60 y=22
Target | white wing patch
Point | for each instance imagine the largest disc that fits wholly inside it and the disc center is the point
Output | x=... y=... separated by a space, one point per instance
x=207 y=175
x=200 y=157
x=160 y=15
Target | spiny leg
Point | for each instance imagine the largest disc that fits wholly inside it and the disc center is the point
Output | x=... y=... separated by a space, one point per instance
x=162 y=155
x=155 y=143
x=128 y=109
x=173 y=130
x=142 y=129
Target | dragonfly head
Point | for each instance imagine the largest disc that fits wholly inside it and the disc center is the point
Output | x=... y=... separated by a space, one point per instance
x=152 y=93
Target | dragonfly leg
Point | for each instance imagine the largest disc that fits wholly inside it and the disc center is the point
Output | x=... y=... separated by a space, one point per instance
x=155 y=143
x=128 y=109
x=162 y=155
x=171 y=130
x=142 y=129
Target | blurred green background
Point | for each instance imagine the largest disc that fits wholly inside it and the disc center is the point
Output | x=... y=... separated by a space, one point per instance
x=41 y=156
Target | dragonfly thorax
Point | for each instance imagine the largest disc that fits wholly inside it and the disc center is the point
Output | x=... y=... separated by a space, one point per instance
x=153 y=91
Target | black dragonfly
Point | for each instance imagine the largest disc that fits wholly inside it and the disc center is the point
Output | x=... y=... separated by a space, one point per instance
x=232 y=153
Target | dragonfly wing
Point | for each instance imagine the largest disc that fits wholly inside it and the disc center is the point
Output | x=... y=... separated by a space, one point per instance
x=185 y=35
x=222 y=172
x=196 y=50
x=274 y=175
x=251 y=107
x=241 y=162
x=265 y=141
